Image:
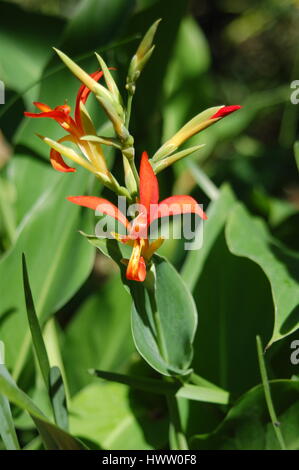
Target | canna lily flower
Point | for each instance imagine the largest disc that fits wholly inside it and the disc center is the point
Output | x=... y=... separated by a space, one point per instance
x=150 y=210
x=76 y=127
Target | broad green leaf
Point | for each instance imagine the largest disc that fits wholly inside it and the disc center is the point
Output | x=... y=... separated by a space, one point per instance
x=249 y=237
x=104 y=20
x=99 y=335
x=7 y=215
x=7 y=428
x=22 y=66
x=247 y=425
x=114 y=418
x=30 y=178
x=217 y=215
x=191 y=392
x=52 y=435
x=169 y=314
x=234 y=302
x=59 y=261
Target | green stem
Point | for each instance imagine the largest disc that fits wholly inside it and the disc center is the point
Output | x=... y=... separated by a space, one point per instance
x=268 y=396
x=204 y=182
x=134 y=171
x=177 y=437
x=129 y=109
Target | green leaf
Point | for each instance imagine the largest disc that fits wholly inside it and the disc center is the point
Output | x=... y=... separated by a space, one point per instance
x=204 y=394
x=217 y=214
x=109 y=248
x=7 y=429
x=36 y=334
x=7 y=216
x=168 y=313
x=108 y=343
x=145 y=384
x=191 y=392
x=230 y=316
x=30 y=179
x=104 y=20
x=162 y=307
x=249 y=237
x=114 y=418
x=58 y=398
x=247 y=425
x=52 y=435
x=53 y=248
x=19 y=67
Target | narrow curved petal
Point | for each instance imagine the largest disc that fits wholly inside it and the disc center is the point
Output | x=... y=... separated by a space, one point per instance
x=225 y=111
x=149 y=188
x=53 y=114
x=42 y=106
x=57 y=161
x=83 y=94
x=60 y=114
x=136 y=270
x=178 y=205
x=101 y=205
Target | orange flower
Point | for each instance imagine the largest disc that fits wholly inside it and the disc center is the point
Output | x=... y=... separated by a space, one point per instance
x=74 y=126
x=151 y=209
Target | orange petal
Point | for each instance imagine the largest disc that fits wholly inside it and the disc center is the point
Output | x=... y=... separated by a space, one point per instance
x=57 y=115
x=178 y=205
x=136 y=270
x=149 y=188
x=83 y=94
x=57 y=161
x=60 y=113
x=101 y=205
